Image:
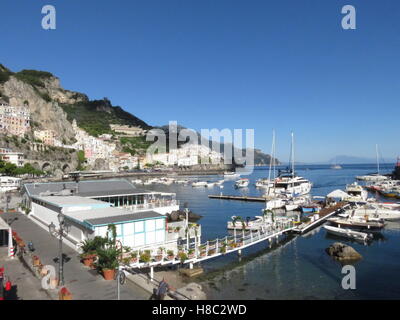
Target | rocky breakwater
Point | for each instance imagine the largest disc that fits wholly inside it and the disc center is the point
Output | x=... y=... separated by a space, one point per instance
x=342 y=252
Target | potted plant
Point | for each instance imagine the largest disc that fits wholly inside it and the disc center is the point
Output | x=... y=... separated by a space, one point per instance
x=133 y=256
x=170 y=229
x=159 y=255
x=108 y=262
x=170 y=255
x=35 y=261
x=145 y=256
x=64 y=294
x=177 y=229
x=191 y=253
x=223 y=248
x=182 y=256
x=88 y=252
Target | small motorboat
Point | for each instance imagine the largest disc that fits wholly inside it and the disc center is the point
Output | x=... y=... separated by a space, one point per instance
x=231 y=174
x=348 y=233
x=199 y=184
x=242 y=183
x=359 y=223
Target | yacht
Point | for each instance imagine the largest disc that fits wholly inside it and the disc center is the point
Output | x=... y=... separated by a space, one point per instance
x=264 y=183
x=291 y=184
x=375 y=210
x=199 y=184
x=230 y=174
x=376 y=177
x=356 y=192
x=9 y=183
x=288 y=183
x=358 y=223
x=242 y=183
x=336 y=166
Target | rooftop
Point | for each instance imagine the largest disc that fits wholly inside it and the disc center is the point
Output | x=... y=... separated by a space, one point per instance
x=89 y=188
x=105 y=216
x=68 y=201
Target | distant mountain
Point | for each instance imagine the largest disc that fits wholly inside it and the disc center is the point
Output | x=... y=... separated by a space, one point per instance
x=343 y=159
x=260 y=158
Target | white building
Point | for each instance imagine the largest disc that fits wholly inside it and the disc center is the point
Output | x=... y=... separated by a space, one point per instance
x=8 y=155
x=90 y=206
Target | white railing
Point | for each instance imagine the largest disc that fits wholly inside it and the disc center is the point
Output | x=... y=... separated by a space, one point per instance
x=152 y=205
x=213 y=248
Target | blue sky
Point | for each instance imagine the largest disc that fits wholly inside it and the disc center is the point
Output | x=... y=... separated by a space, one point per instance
x=262 y=64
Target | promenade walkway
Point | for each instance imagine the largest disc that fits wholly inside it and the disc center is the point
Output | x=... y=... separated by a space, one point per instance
x=83 y=283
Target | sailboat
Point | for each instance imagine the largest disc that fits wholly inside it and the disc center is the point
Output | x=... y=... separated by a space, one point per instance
x=336 y=166
x=375 y=177
x=288 y=183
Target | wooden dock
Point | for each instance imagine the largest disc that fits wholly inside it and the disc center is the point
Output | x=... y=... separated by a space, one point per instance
x=238 y=198
x=324 y=214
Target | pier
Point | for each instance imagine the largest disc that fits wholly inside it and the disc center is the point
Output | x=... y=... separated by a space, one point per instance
x=220 y=246
x=239 y=198
x=324 y=214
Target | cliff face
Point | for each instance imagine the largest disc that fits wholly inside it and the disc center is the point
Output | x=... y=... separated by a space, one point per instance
x=43 y=102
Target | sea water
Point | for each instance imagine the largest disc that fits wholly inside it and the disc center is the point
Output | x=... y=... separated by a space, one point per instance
x=297 y=267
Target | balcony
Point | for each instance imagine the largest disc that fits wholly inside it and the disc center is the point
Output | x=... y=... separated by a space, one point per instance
x=152 y=205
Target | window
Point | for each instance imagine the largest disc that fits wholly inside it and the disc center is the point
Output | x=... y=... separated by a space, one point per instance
x=160 y=224
x=150 y=225
x=139 y=226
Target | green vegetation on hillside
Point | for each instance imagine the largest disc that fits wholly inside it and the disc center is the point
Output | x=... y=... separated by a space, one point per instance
x=135 y=145
x=96 y=116
x=10 y=169
x=4 y=74
x=81 y=160
x=33 y=77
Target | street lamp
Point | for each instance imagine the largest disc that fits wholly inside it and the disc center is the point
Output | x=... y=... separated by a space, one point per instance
x=60 y=233
x=187 y=225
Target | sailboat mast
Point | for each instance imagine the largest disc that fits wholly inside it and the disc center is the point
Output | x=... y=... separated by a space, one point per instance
x=377 y=158
x=292 y=155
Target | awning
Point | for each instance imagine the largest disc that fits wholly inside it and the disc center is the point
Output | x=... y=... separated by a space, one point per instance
x=5 y=226
x=338 y=194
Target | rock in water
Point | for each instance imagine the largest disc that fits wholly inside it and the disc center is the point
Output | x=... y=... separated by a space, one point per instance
x=342 y=252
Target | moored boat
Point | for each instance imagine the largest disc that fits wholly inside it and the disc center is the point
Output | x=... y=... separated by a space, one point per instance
x=348 y=233
x=371 y=225
x=242 y=183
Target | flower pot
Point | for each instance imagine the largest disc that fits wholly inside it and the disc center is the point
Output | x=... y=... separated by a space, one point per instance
x=64 y=294
x=171 y=258
x=108 y=274
x=36 y=261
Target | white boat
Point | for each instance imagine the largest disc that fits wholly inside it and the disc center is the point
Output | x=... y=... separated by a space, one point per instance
x=182 y=181
x=9 y=183
x=336 y=166
x=240 y=224
x=242 y=183
x=264 y=183
x=199 y=184
x=348 y=233
x=356 y=192
x=219 y=182
x=275 y=203
x=210 y=184
x=230 y=174
x=376 y=211
x=376 y=177
x=294 y=203
x=288 y=182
